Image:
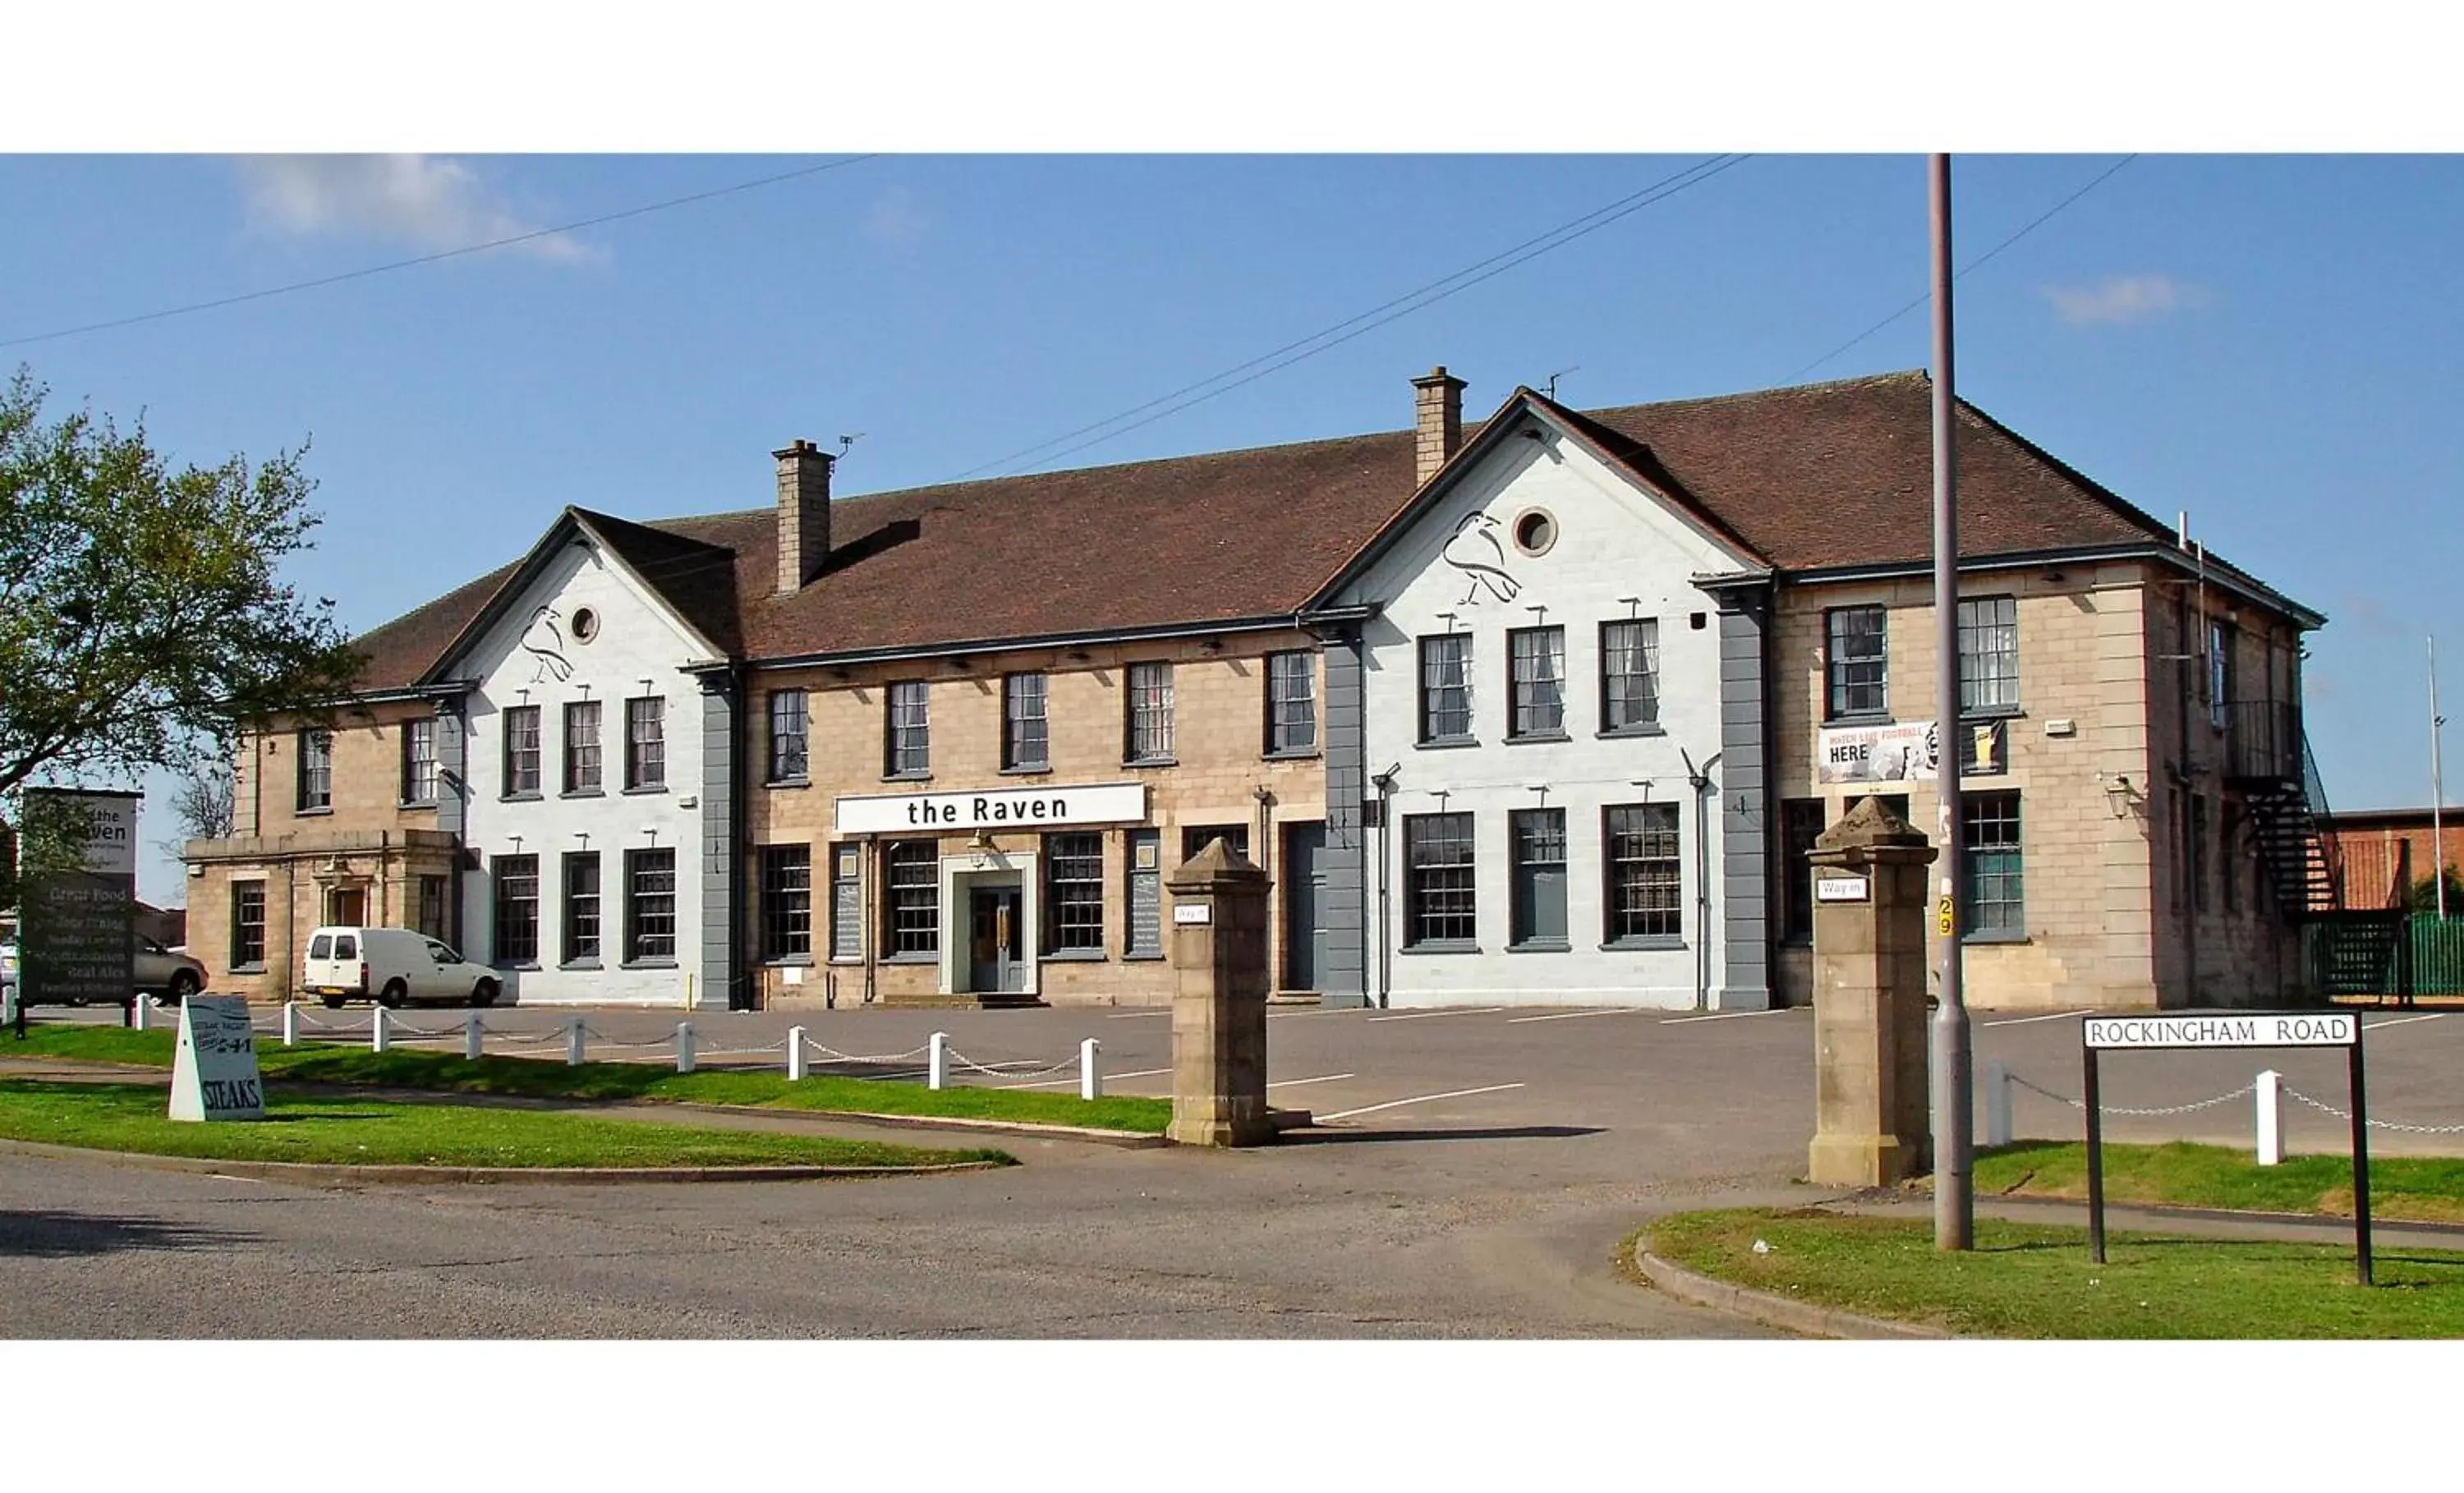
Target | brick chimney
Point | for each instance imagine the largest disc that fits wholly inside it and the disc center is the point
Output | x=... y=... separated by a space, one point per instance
x=1436 y=408
x=803 y=513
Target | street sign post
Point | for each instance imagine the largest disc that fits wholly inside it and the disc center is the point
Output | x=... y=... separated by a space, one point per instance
x=2230 y=1029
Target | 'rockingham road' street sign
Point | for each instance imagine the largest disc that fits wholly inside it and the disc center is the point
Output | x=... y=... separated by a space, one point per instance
x=2320 y=1029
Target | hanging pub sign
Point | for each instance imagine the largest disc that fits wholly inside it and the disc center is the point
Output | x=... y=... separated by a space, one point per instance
x=1901 y=752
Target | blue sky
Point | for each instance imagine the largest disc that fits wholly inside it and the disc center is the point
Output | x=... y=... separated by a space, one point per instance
x=2269 y=341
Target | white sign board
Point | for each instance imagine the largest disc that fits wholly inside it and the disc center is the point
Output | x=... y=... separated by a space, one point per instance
x=2307 y=1029
x=214 y=1076
x=112 y=845
x=1193 y=913
x=1840 y=888
x=1904 y=752
x=994 y=808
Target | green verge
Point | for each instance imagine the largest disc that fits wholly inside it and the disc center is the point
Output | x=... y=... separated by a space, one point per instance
x=2034 y=1281
x=450 y=1072
x=2422 y=1189
x=370 y=1132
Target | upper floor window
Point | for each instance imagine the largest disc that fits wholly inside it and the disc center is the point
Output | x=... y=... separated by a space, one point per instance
x=1291 y=703
x=521 y=750
x=787 y=761
x=581 y=747
x=646 y=742
x=2220 y=671
x=908 y=734
x=419 y=761
x=1535 y=669
x=1445 y=687
x=1860 y=672
x=1149 y=713
x=1027 y=734
x=1630 y=674
x=1989 y=655
x=316 y=771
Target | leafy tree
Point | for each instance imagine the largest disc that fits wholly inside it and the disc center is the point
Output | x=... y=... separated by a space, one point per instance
x=141 y=618
x=2424 y=895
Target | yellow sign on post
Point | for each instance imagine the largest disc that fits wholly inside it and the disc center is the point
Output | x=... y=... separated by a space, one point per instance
x=1942 y=917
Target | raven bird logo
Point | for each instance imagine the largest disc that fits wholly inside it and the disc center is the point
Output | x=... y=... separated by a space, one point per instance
x=1473 y=551
x=545 y=640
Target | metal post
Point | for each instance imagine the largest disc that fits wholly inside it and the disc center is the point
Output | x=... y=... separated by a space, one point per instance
x=2361 y=1097
x=2437 y=792
x=2271 y=1118
x=573 y=1040
x=1997 y=1104
x=137 y=1013
x=1090 y=1077
x=684 y=1047
x=2095 y=1164
x=474 y=1037
x=1954 y=1207
x=795 y=1054
x=936 y=1065
x=378 y=1036
x=291 y=1024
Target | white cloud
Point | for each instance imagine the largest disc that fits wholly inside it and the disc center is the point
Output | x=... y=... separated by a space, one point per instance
x=2123 y=298
x=895 y=218
x=425 y=202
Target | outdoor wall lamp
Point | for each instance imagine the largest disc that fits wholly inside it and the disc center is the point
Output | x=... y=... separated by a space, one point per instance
x=2120 y=795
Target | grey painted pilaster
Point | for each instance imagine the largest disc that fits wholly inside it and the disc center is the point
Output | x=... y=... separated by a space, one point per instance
x=1345 y=977
x=1745 y=829
x=721 y=860
x=453 y=803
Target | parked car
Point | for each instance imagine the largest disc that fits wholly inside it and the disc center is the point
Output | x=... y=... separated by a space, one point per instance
x=169 y=975
x=393 y=966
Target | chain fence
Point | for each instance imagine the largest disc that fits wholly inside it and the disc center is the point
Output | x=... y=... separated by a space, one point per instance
x=2346 y=1116
x=2243 y=1093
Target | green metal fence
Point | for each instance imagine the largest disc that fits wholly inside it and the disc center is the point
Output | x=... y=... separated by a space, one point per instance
x=2437 y=953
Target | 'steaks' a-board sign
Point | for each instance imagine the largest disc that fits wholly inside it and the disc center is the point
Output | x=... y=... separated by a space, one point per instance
x=2228 y=1030
x=214 y=1076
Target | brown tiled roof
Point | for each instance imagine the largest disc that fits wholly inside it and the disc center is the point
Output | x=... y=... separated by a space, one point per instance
x=1816 y=477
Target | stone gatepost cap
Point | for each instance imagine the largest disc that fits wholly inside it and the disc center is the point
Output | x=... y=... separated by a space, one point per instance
x=1218 y=865
x=1871 y=832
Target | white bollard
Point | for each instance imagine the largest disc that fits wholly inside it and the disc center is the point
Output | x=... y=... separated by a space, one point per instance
x=936 y=1065
x=2271 y=1129
x=378 y=1035
x=291 y=1024
x=573 y=1040
x=137 y=1010
x=684 y=1047
x=1091 y=1076
x=795 y=1054
x=1997 y=1104
x=472 y=1035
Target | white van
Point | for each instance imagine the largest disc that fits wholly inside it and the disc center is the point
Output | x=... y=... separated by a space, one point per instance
x=394 y=965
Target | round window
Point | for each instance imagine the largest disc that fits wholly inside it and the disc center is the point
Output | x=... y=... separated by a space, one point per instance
x=585 y=624
x=1535 y=531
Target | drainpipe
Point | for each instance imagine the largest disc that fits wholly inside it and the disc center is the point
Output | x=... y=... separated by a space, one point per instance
x=868 y=876
x=1385 y=783
x=1701 y=780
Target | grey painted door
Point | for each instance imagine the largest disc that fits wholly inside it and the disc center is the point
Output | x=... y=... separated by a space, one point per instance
x=998 y=943
x=1304 y=905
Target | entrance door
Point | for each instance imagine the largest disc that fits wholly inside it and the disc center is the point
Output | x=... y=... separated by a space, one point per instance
x=346 y=906
x=998 y=943
x=1304 y=905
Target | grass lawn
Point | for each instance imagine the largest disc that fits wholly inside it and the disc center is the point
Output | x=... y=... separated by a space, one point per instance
x=2427 y=1189
x=450 y=1072
x=2036 y=1280
x=362 y=1132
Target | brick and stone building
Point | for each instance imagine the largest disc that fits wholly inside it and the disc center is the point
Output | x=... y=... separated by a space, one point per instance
x=1544 y=708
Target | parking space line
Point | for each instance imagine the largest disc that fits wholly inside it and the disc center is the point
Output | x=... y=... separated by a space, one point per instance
x=1726 y=1016
x=1132 y=1016
x=1295 y=1082
x=1415 y=1016
x=2022 y=1020
x=2403 y=1020
x=1570 y=1016
x=1063 y=1082
x=1397 y=1103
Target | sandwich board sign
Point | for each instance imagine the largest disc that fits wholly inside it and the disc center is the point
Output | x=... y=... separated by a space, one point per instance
x=214 y=1077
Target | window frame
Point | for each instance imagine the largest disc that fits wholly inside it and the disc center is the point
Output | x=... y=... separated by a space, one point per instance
x=1837 y=693
x=431 y=897
x=920 y=942
x=1149 y=729
x=645 y=751
x=582 y=748
x=1651 y=874
x=518 y=721
x=1081 y=855
x=784 y=902
x=1528 y=830
x=788 y=766
x=1971 y=626
x=1432 y=713
x=508 y=874
x=419 y=770
x=1796 y=849
x=1291 y=717
x=315 y=765
x=913 y=699
x=1642 y=683
x=639 y=862
x=1533 y=646
x=573 y=899
x=1454 y=927
x=243 y=893
x=1018 y=691
x=1981 y=809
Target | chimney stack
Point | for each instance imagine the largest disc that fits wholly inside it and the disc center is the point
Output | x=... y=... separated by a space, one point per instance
x=803 y=513
x=1437 y=408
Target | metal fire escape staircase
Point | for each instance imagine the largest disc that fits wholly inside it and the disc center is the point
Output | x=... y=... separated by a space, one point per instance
x=2346 y=950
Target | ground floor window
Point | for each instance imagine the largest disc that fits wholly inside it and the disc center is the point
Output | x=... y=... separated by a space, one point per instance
x=847 y=902
x=1988 y=847
x=1538 y=841
x=650 y=906
x=1800 y=825
x=431 y=907
x=1645 y=877
x=914 y=876
x=786 y=901
x=1145 y=865
x=247 y=925
x=517 y=909
x=1438 y=893
x=1194 y=838
x=1073 y=884
x=581 y=907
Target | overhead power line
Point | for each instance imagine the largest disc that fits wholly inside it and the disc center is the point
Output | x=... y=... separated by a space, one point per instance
x=2034 y=224
x=1344 y=331
x=446 y=254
